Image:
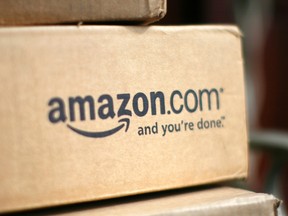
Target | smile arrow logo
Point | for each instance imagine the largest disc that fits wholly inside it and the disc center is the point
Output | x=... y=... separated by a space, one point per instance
x=102 y=134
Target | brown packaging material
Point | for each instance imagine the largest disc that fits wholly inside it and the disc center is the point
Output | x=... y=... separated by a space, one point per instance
x=94 y=112
x=213 y=202
x=36 y=12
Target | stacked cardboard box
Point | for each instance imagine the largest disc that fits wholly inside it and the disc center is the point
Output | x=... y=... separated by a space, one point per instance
x=96 y=112
x=39 y=12
x=221 y=201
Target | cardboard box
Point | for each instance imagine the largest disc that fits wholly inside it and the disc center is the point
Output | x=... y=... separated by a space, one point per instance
x=223 y=201
x=214 y=202
x=36 y=12
x=95 y=112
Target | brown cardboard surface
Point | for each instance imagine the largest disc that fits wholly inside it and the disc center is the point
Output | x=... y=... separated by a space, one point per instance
x=31 y=12
x=167 y=76
x=213 y=202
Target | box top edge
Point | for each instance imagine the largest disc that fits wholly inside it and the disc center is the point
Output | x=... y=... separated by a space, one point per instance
x=216 y=28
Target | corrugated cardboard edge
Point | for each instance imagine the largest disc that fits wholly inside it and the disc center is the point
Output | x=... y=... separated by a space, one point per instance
x=249 y=204
x=225 y=29
x=157 y=10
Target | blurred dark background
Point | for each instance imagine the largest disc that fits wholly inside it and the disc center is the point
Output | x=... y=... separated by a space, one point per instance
x=264 y=24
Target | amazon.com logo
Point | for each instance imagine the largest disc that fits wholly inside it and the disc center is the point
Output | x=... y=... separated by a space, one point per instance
x=123 y=106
